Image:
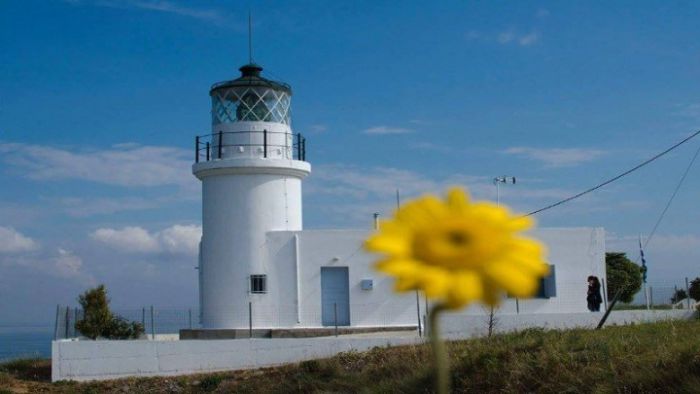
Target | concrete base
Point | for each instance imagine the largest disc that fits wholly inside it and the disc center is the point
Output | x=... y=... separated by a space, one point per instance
x=285 y=332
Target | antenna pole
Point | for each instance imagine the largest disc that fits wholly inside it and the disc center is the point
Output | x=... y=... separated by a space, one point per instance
x=250 y=37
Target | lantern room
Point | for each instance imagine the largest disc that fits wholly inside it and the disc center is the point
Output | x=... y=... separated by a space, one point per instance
x=251 y=118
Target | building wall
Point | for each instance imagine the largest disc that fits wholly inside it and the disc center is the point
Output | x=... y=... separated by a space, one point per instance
x=332 y=248
x=296 y=258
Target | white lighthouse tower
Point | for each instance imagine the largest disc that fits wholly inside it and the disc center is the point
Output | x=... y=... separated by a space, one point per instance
x=251 y=167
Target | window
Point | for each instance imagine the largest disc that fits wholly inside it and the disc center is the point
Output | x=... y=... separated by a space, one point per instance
x=258 y=284
x=548 y=285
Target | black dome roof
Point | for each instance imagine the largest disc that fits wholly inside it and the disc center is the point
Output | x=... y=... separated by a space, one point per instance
x=250 y=77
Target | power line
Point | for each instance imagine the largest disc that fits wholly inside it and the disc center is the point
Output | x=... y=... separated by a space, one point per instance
x=670 y=200
x=611 y=180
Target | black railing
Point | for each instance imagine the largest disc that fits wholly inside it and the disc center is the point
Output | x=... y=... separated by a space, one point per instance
x=213 y=146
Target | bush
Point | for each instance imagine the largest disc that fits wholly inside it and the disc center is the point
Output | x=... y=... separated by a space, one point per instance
x=98 y=320
x=622 y=275
x=120 y=328
x=679 y=295
x=211 y=382
x=694 y=289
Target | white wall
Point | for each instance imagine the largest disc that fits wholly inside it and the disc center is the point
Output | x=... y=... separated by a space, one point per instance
x=576 y=253
x=332 y=248
x=103 y=360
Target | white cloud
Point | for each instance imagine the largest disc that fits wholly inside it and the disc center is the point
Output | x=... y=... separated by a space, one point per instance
x=690 y=111
x=128 y=239
x=387 y=130
x=556 y=157
x=12 y=241
x=506 y=37
x=164 y=6
x=81 y=207
x=67 y=264
x=60 y=263
x=177 y=239
x=528 y=39
x=510 y=36
x=123 y=165
x=318 y=128
x=182 y=239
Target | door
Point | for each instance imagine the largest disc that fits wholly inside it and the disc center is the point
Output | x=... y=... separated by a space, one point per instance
x=335 y=296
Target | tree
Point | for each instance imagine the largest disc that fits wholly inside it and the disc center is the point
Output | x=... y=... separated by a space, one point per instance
x=678 y=296
x=98 y=320
x=622 y=275
x=96 y=314
x=694 y=290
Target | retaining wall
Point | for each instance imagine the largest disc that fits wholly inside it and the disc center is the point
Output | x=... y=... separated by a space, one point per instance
x=103 y=360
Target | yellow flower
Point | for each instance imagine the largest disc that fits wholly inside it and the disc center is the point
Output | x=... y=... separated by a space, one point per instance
x=459 y=252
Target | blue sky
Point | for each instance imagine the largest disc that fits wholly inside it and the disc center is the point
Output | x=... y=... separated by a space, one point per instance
x=100 y=101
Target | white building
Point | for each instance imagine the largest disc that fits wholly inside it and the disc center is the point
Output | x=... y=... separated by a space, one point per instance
x=258 y=267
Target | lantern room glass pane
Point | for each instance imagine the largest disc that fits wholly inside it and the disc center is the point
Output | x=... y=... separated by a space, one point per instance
x=251 y=105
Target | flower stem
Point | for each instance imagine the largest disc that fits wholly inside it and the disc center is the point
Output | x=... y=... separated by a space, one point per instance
x=442 y=367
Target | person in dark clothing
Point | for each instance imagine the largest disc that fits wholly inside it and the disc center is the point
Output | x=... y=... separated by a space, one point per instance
x=594 y=298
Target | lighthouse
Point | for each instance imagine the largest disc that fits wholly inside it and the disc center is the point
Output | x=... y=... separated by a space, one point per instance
x=251 y=167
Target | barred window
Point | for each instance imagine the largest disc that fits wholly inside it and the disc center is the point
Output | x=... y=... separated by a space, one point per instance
x=258 y=284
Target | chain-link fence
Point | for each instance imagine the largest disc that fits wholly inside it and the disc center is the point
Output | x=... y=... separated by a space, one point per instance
x=662 y=295
x=155 y=321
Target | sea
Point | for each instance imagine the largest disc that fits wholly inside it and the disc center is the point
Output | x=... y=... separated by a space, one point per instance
x=24 y=341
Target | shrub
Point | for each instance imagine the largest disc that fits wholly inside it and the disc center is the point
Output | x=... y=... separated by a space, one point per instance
x=679 y=295
x=211 y=382
x=120 y=328
x=98 y=320
x=694 y=290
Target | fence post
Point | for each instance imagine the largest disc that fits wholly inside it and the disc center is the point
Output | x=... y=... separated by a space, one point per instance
x=196 y=149
x=687 y=292
x=55 y=325
x=265 y=143
x=335 y=316
x=75 y=321
x=651 y=297
x=298 y=146
x=250 y=319
x=208 y=149
x=153 y=325
x=67 y=321
x=303 y=149
x=221 y=141
x=517 y=306
x=143 y=318
x=189 y=311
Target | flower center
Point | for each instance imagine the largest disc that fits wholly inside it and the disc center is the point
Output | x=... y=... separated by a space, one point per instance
x=458 y=238
x=457 y=245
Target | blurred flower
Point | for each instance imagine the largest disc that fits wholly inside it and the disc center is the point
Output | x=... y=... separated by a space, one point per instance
x=458 y=251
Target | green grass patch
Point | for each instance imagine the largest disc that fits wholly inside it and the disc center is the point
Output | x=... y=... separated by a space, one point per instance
x=658 y=357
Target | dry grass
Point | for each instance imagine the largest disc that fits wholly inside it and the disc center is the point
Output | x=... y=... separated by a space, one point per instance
x=659 y=357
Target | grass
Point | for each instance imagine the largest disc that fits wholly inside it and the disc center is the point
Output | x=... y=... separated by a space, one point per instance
x=658 y=357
